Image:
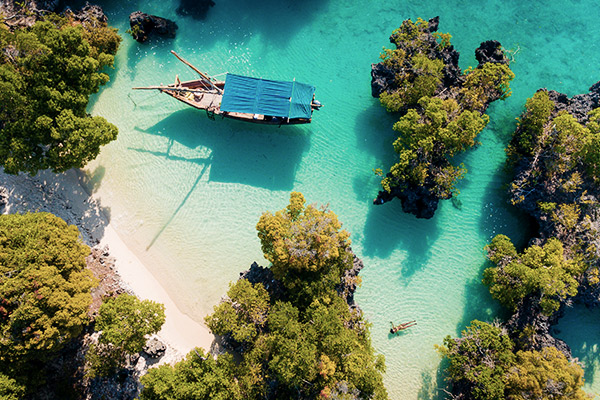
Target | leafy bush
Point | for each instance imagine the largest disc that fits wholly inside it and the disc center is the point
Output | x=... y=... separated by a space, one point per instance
x=44 y=289
x=544 y=271
x=124 y=322
x=440 y=119
x=483 y=362
x=47 y=74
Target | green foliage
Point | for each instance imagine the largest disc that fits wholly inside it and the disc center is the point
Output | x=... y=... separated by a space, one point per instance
x=306 y=246
x=546 y=207
x=10 y=389
x=412 y=34
x=483 y=362
x=592 y=150
x=421 y=81
x=198 y=377
x=545 y=375
x=125 y=321
x=437 y=124
x=243 y=314
x=426 y=139
x=480 y=359
x=306 y=343
x=543 y=271
x=444 y=39
x=566 y=215
x=564 y=143
x=537 y=112
x=44 y=288
x=47 y=74
x=484 y=84
x=568 y=141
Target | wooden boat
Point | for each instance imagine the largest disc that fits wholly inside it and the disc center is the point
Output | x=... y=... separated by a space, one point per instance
x=244 y=98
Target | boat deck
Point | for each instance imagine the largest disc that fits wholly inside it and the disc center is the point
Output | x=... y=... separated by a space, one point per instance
x=202 y=101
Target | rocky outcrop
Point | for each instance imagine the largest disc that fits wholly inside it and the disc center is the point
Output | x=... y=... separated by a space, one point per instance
x=23 y=15
x=416 y=200
x=154 y=348
x=89 y=14
x=350 y=281
x=384 y=78
x=422 y=198
x=144 y=25
x=529 y=318
x=533 y=183
x=194 y=8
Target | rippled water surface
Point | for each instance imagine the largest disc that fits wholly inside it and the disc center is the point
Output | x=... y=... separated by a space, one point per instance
x=186 y=192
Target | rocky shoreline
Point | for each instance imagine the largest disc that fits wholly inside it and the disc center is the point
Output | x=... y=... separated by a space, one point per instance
x=528 y=191
x=45 y=193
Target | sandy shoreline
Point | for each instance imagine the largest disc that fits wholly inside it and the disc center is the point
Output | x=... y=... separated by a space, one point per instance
x=64 y=196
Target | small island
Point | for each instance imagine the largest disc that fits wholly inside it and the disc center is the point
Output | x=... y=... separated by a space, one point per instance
x=555 y=155
x=442 y=110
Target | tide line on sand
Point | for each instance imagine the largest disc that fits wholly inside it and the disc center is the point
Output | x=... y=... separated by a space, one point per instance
x=65 y=196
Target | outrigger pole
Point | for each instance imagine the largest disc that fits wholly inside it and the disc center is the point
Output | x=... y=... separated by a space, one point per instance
x=202 y=74
x=175 y=89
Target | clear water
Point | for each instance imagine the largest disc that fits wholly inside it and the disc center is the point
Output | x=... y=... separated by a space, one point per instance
x=186 y=192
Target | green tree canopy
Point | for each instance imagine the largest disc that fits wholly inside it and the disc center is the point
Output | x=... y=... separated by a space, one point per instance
x=306 y=246
x=545 y=375
x=198 y=377
x=479 y=360
x=125 y=321
x=243 y=314
x=305 y=343
x=47 y=74
x=442 y=113
x=484 y=364
x=10 y=389
x=44 y=288
x=541 y=270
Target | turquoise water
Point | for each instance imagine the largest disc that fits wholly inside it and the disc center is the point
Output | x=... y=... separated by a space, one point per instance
x=185 y=192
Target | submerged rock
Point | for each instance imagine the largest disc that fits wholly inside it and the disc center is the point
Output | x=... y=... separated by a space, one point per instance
x=194 y=8
x=143 y=25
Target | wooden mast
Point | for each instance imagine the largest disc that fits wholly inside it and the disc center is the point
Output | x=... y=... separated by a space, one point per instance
x=175 y=89
x=202 y=74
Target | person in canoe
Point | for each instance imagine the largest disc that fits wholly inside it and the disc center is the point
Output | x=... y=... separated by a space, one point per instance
x=401 y=327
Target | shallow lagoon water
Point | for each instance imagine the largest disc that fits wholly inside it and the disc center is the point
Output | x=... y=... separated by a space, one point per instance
x=185 y=192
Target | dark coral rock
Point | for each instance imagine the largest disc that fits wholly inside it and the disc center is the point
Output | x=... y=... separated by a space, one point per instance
x=422 y=200
x=90 y=14
x=260 y=274
x=143 y=25
x=382 y=78
x=529 y=318
x=490 y=51
x=416 y=200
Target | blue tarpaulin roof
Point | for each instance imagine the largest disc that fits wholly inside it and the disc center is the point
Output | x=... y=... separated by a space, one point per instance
x=261 y=96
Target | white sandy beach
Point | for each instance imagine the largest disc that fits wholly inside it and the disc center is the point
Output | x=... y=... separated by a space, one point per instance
x=65 y=196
